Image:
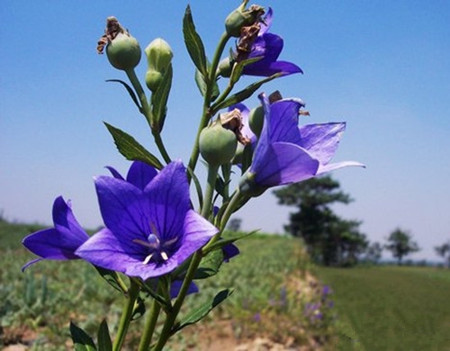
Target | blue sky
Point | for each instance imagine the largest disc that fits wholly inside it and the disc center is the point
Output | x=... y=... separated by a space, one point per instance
x=381 y=66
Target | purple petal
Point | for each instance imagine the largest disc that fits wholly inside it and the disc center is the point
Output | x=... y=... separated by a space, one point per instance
x=105 y=250
x=283 y=117
x=197 y=232
x=321 y=140
x=114 y=173
x=333 y=166
x=285 y=163
x=284 y=67
x=57 y=243
x=176 y=286
x=140 y=174
x=29 y=263
x=169 y=200
x=267 y=22
x=124 y=208
x=229 y=251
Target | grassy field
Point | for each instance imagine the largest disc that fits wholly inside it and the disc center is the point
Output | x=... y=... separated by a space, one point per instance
x=391 y=308
x=272 y=298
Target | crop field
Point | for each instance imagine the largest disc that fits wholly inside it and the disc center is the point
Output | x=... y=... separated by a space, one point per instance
x=274 y=298
x=391 y=308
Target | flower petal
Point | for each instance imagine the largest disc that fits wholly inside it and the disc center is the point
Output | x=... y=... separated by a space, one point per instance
x=140 y=174
x=284 y=163
x=333 y=166
x=197 y=232
x=265 y=26
x=176 y=286
x=114 y=172
x=283 y=119
x=321 y=140
x=124 y=208
x=71 y=233
x=169 y=200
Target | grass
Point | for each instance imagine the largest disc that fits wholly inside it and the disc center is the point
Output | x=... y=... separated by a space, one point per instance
x=391 y=308
x=269 y=298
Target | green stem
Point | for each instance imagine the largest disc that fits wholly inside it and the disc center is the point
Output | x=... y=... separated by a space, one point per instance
x=162 y=149
x=209 y=191
x=150 y=325
x=206 y=116
x=125 y=319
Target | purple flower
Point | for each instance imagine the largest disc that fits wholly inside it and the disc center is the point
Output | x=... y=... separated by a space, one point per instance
x=60 y=242
x=268 y=46
x=139 y=174
x=149 y=230
x=286 y=153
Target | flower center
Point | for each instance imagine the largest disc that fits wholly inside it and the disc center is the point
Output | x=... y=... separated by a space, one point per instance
x=158 y=250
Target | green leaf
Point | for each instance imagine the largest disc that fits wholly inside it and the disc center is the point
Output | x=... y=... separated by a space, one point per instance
x=103 y=338
x=210 y=265
x=239 y=67
x=81 y=340
x=111 y=277
x=247 y=157
x=202 y=311
x=230 y=239
x=193 y=42
x=130 y=91
x=139 y=309
x=131 y=149
x=243 y=94
x=201 y=84
x=159 y=101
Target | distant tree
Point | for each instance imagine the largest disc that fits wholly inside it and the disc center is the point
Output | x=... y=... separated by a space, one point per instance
x=444 y=251
x=400 y=244
x=329 y=239
x=374 y=252
x=235 y=224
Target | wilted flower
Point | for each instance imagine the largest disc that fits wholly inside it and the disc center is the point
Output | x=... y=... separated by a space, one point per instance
x=286 y=153
x=59 y=242
x=268 y=46
x=149 y=232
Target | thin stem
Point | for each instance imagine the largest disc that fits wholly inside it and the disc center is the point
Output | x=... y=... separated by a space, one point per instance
x=141 y=94
x=125 y=319
x=206 y=115
x=209 y=191
x=162 y=149
x=150 y=325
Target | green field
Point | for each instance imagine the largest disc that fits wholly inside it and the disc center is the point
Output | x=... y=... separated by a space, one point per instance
x=269 y=298
x=391 y=308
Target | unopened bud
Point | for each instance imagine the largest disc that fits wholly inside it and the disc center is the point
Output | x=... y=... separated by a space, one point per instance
x=256 y=120
x=225 y=67
x=159 y=58
x=241 y=17
x=122 y=49
x=217 y=144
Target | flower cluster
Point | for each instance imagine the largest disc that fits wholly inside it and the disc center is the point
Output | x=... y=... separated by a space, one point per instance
x=152 y=235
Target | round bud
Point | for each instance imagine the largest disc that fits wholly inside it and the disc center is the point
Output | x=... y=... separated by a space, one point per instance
x=153 y=79
x=124 y=52
x=256 y=120
x=159 y=55
x=225 y=67
x=217 y=144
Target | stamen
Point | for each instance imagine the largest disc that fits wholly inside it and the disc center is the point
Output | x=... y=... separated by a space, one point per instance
x=147 y=259
x=170 y=242
x=164 y=256
x=153 y=245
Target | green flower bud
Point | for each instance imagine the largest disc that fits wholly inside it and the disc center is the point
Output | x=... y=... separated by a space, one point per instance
x=217 y=144
x=123 y=52
x=242 y=18
x=153 y=79
x=225 y=67
x=159 y=55
x=256 y=120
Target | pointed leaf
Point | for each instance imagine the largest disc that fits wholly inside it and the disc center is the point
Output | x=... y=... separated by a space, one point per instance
x=239 y=67
x=247 y=157
x=103 y=338
x=193 y=42
x=159 y=101
x=131 y=149
x=81 y=340
x=130 y=91
x=243 y=94
x=201 y=84
x=202 y=311
x=111 y=278
x=210 y=265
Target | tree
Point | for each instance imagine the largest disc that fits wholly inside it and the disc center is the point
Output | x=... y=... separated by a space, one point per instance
x=400 y=244
x=235 y=224
x=329 y=239
x=444 y=251
x=374 y=251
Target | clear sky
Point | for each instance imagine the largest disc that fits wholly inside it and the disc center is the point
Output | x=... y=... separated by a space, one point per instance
x=382 y=66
